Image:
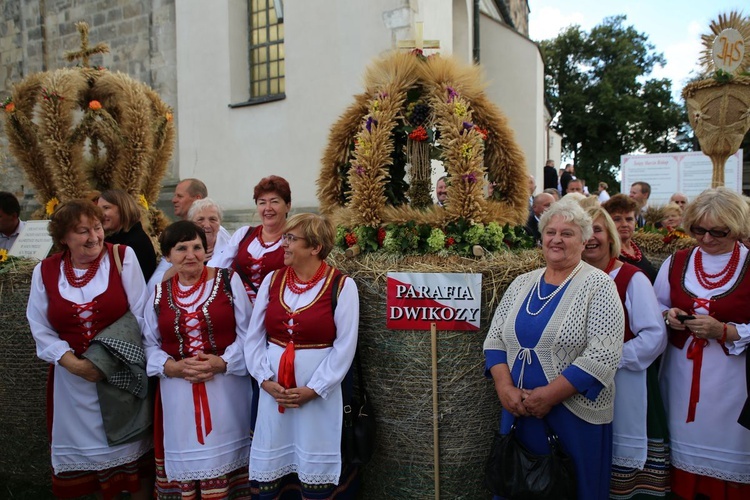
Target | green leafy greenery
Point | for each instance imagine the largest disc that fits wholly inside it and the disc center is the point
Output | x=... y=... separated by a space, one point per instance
x=604 y=105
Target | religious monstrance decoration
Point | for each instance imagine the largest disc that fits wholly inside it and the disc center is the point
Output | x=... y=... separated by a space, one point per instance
x=719 y=105
x=376 y=176
x=84 y=129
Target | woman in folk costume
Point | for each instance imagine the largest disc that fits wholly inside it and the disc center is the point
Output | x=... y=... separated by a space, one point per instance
x=553 y=348
x=703 y=370
x=256 y=251
x=75 y=295
x=301 y=343
x=194 y=338
x=640 y=454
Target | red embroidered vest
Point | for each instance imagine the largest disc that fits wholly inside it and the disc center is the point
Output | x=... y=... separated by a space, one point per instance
x=731 y=306
x=313 y=325
x=64 y=315
x=622 y=280
x=215 y=318
x=244 y=262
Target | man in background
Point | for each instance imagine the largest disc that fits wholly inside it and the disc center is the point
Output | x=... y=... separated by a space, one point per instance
x=550 y=175
x=185 y=193
x=680 y=199
x=441 y=191
x=640 y=192
x=575 y=186
x=10 y=224
x=567 y=176
x=541 y=204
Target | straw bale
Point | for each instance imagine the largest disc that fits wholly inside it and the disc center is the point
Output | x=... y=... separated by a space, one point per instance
x=397 y=368
x=24 y=448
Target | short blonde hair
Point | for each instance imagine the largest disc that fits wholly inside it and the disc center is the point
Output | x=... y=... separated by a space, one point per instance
x=316 y=229
x=591 y=201
x=671 y=208
x=722 y=205
x=201 y=204
x=570 y=211
x=615 y=245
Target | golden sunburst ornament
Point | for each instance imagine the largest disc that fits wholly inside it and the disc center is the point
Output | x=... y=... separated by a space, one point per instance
x=727 y=47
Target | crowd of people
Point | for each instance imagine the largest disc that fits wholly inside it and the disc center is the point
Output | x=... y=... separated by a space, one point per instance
x=234 y=353
x=242 y=343
x=648 y=394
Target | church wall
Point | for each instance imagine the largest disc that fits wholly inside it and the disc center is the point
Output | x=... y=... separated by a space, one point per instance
x=328 y=45
x=514 y=69
x=34 y=36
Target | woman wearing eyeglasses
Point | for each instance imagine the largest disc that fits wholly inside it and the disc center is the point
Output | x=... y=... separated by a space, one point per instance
x=301 y=343
x=704 y=293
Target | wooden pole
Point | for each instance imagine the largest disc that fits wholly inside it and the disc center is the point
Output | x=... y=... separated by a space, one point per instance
x=436 y=451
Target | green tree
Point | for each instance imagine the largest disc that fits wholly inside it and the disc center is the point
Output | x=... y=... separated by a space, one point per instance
x=602 y=102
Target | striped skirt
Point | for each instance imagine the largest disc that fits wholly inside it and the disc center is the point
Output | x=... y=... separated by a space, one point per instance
x=654 y=479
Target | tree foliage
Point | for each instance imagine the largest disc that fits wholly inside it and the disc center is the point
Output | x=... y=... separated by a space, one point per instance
x=602 y=102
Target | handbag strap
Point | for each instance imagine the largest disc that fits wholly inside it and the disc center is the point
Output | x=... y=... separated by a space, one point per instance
x=552 y=439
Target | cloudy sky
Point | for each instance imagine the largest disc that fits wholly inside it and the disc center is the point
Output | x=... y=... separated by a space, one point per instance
x=674 y=27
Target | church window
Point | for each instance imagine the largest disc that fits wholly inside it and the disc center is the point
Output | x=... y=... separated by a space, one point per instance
x=266 y=49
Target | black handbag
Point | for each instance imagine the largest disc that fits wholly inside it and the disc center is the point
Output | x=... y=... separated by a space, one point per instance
x=358 y=431
x=515 y=473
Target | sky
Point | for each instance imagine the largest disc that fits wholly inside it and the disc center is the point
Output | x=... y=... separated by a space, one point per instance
x=674 y=27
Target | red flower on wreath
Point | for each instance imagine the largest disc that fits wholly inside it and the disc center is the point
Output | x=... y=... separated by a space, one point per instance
x=381 y=236
x=450 y=241
x=10 y=107
x=419 y=134
x=482 y=132
x=95 y=105
x=351 y=239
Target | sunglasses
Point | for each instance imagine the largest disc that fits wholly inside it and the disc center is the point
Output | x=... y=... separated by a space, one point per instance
x=716 y=233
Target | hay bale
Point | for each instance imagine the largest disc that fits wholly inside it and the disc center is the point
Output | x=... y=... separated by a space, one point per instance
x=24 y=447
x=397 y=366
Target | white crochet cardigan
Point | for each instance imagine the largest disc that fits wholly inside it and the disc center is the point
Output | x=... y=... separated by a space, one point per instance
x=585 y=330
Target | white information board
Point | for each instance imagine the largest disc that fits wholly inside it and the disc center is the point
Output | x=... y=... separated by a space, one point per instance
x=34 y=242
x=670 y=173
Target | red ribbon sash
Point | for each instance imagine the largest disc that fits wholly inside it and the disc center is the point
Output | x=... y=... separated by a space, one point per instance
x=202 y=410
x=286 y=369
x=695 y=353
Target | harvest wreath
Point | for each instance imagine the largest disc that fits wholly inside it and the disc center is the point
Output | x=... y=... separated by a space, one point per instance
x=416 y=109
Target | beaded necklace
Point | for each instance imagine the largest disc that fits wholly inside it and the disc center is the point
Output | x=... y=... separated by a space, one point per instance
x=637 y=254
x=263 y=243
x=546 y=300
x=84 y=280
x=178 y=294
x=610 y=266
x=298 y=286
x=724 y=275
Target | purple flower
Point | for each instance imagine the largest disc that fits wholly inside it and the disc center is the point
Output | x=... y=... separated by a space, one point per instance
x=360 y=170
x=370 y=122
x=452 y=94
x=382 y=95
x=470 y=178
x=468 y=126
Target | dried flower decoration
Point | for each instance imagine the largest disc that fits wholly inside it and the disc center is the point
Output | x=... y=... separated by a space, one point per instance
x=418 y=134
x=142 y=201
x=51 y=205
x=51 y=96
x=95 y=105
x=452 y=94
x=3 y=255
x=169 y=116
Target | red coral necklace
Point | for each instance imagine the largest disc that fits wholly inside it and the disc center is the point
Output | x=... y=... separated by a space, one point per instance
x=178 y=294
x=637 y=254
x=263 y=243
x=724 y=275
x=84 y=280
x=298 y=286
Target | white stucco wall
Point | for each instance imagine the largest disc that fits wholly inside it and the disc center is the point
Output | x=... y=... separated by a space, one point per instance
x=328 y=44
x=514 y=69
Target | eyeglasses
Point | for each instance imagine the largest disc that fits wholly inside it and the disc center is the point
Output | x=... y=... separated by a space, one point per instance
x=716 y=233
x=291 y=238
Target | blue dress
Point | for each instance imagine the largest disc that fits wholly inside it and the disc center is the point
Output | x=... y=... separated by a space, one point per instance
x=589 y=445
